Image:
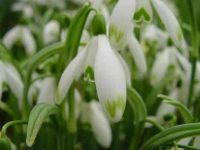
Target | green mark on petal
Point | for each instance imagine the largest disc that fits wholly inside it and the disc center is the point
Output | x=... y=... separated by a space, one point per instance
x=115 y=33
x=115 y=106
x=141 y=16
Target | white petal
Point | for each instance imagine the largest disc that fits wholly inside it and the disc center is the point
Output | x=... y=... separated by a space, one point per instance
x=185 y=64
x=160 y=67
x=92 y=50
x=170 y=22
x=155 y=36
x=143 y=13
x=51 y=32
x=126 y=70
x=100 y=125
x=137 y=53
x=73 y=70
x=121 y=22
x=14 y=81
x=28 y=41
x=12 y=36
x=47 y=91
x=110 y=80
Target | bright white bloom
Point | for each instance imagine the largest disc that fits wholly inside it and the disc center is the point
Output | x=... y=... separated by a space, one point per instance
x=137 y=53
x=11 y=77
x=143 y=13
x=121 y=32
x=47 y=91
x=51 y=32
x=170 y=22
x=110 y=70
x=26 y=9
x=109 y=76
x=22 y=34
x=121 y=23
x=94 y=115
x=154 y=36
x=110 y=80
x=160 y=67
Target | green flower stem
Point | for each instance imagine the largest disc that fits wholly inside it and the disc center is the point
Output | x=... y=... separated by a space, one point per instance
x=158 y=126
x=140 y=114
x=5 y=108
x=71 y=122
x=11 y=123
x=194 y=53
x=36 y=59
x=42 y=77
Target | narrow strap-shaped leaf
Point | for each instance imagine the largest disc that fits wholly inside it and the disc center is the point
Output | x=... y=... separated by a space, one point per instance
x=171 y=134
x=74 y=34
x=187 y=115
x=32 y=64
x=37 y=116
x=140 y=114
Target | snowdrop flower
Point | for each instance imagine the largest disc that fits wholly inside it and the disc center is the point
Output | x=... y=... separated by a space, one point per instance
x=51 y=32
x=109 y=76
x=143 y=15
x=110 y=70
x=170 y=22
x=143 y=12
x=121 y=29
x=47 y=91
x=154 y=36
x=162 y=62
x=26 y=9
x=22 y=34
x=120 y=23
x=11 y=77
x=94 y=115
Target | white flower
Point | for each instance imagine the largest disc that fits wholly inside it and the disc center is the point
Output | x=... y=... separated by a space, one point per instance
x=121 y=32
x=143 y=13
x=160 y=67
x=22 y=34
x=24 y=7
x=94 y=115
x=51 y=32
x=120 y=24
x=170 y=21
x=154 y=36
x=110 y=80
x=137 y=53
x=109 y=76
x=47 y=91
x=11 y=77
x=110 y=70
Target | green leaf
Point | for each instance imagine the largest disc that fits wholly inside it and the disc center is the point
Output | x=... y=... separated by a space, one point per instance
x=74 y=34
x=37 y=116
x=171 y=134
x=32 y=64
x=140 y=115
x=187 y=115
